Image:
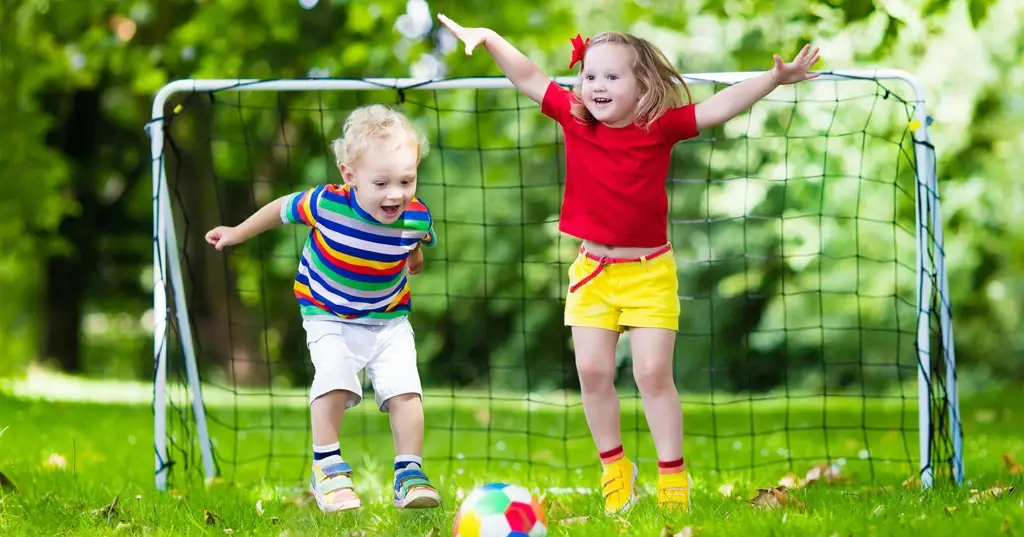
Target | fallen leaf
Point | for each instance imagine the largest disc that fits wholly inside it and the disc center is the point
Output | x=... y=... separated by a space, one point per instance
x=107 y=511
x=209 y=517
x=274 y=520
x=666 y=532
x=1012 y=465
x=990 y=494
x=774 y=498
x=792 y=481
x=950 y=508
x=687 y=531
x=726 y=490
x=912 y=482
x=259 y=506
x=879 y=510
x=829 y=473
x=823 y=472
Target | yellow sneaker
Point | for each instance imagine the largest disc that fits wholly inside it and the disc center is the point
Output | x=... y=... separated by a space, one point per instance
x=618 y=485
x=674 y=490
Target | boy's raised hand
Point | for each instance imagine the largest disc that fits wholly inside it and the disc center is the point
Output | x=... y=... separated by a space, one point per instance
x=796 y=70
x=472 y=37
x=223 y=236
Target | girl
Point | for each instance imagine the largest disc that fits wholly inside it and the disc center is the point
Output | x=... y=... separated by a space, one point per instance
x=620 y=122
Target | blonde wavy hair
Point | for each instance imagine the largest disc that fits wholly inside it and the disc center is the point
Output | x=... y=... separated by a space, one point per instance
x=660 y=85
x=372 y=123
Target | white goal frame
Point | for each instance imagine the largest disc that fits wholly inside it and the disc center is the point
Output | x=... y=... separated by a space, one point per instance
x=167 y=262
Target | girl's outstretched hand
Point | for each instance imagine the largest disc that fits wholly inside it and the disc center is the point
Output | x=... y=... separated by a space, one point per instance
x=472 y=37
x=796 y=70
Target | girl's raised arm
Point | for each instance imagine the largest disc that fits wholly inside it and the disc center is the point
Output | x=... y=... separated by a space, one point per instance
x=524 y=74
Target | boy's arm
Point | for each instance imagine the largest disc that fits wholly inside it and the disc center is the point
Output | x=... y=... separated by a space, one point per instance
x=731 y=101
x=525 y=75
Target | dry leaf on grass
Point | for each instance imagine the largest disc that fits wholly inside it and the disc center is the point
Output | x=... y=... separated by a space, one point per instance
x=990 y=494
x=209 y=517
x=259 y=506
x=949 y=509
x=726 y=490
x=912 y=482
x=823 y=472
x=126 y=527
x=1012 y=465
x=107 y=511
x=775 y=498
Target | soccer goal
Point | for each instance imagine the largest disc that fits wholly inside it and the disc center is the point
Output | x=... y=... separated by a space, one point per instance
x=815 y=327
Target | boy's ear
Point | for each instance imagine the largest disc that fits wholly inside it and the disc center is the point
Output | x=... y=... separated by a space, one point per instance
x=346 y=174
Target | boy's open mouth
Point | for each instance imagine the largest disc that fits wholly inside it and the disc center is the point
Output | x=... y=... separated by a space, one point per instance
x=390 y=210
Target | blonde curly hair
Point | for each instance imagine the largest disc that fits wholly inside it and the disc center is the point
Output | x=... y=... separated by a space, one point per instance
x=372 y=123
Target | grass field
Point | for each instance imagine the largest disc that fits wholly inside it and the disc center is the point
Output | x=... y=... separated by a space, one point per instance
x=71 y=455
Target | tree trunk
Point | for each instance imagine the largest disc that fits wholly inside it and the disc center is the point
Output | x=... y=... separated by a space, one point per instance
x=68 y=272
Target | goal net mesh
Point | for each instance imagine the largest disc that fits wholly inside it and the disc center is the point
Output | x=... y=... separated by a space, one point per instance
x=794 y=229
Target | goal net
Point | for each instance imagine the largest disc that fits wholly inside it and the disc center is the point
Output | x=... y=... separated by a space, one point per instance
x=815 y=326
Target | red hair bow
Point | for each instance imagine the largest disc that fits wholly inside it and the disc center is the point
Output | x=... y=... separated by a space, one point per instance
x=579 y=46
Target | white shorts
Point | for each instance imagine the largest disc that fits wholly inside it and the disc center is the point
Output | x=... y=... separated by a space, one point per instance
x=341 y=350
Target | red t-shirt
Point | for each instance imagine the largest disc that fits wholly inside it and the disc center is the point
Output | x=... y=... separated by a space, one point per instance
x=615 y=177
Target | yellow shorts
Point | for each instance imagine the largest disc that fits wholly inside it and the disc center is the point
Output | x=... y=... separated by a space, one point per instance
x=641 y=293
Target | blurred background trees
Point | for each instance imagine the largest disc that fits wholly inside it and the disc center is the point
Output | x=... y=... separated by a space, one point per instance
x=77 y=81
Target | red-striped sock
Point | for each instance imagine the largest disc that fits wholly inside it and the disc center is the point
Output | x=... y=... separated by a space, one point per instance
x=612 y=455
x=671 y=467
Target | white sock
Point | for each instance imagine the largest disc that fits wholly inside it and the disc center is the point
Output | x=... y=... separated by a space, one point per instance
x=404 y=461
x=323 y=452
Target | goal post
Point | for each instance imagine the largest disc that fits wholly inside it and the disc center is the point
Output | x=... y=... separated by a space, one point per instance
x=939 y=434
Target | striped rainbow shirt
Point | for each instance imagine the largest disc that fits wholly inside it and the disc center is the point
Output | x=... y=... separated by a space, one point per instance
x=353 y=267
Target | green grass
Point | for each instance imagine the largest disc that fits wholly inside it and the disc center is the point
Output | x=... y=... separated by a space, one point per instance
x=71 y=454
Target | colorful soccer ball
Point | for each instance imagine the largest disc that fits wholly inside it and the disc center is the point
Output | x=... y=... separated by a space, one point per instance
x=500 y=510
